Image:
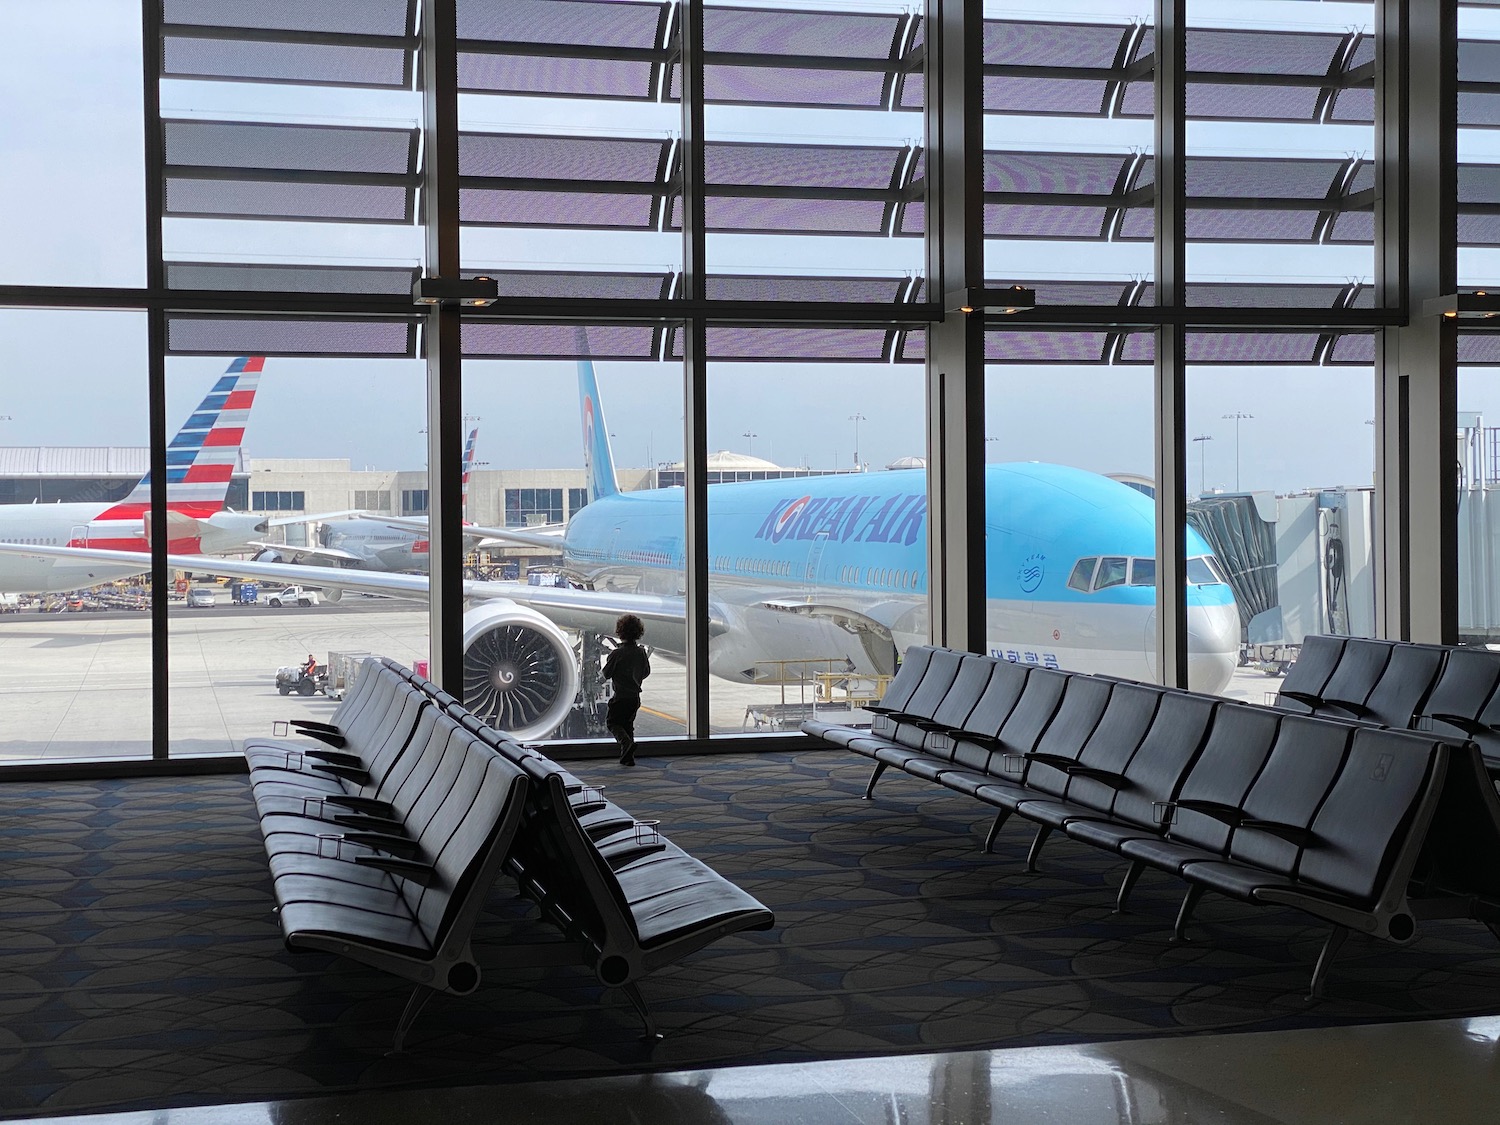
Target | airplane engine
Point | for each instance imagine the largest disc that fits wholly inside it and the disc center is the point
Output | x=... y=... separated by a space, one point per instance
x=519 y=670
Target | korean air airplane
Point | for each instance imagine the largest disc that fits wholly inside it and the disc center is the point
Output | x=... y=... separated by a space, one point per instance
x=370 y=543
x=200 y=461
x=815 y=569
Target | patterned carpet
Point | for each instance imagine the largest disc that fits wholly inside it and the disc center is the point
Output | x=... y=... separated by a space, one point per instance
x=143 y=966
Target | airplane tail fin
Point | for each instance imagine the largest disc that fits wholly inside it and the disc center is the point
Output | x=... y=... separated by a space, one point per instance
x=201 y=458
x=598 y=462
x=469 y=464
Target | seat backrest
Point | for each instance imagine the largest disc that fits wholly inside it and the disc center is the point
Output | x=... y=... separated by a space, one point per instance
x=942 y=670
x=1237 y=748
x=1007 y=682
x=908 y=676
x=465 y=839
x=363 y=725
x=1373 y=807
x=409 y=774
x=1033 y=711
x=1316 y=659
x=1409 y=676
x=1083 y=702
x=1156 y=769
x=372 y=674
x=397 y=733
x=956 y=704
x=1122 y=727
x=1464 y=686
x=1305 y=758
x=1358 y=672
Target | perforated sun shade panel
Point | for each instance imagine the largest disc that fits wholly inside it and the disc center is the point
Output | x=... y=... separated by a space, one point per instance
x=612 y=23
x=1074 y=97
x=347 y=17
x=1261 y=52
x=270 y=278
x=559 y=341
x=1252 y=347
x=739 y=342
x=1092 y=46
x=1050 y=294
x=530 y=74
x=582 y=160
x=1045 y=347
x=310 y=336
x=576 y=285
x=340 y=64
x=869 y=290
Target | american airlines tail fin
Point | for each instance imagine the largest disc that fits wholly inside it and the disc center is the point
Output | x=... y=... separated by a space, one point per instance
x=201 y=458
x=469 y=464
x=598 y=462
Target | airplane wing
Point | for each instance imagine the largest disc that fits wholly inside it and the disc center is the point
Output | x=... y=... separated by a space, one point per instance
x=551 y=538
x=333 y=556
x=313 y=517
x=569 y=608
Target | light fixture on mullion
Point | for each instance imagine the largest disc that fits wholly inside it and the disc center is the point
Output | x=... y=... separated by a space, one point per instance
x=1480 y=304
x=1004 y=302
x=468 y=292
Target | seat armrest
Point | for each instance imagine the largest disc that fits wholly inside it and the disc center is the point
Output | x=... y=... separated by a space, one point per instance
x=931 y=725
x=329 y=738
x=1225 y=814
x=879 y=709
x=1306 y=697
x=1056 y=761
x=335 y=757
x=1464 y=723
x=368 y=805
x=1105 y=777
x=385 y=825
x=353 y=773
x=1358 y=710
x=982 y=739
x=386 y=842
x=415 y=870
x=1291 y=833
x=313 y=724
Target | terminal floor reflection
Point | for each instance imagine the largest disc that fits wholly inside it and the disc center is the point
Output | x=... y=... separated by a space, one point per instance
x=1388 y=1074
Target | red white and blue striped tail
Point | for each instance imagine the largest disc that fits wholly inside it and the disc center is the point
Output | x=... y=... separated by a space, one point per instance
x=202 y=457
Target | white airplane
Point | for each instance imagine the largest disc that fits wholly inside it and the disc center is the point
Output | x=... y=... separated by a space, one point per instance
x=805 y=571
x=200 y=460
x=368 y=542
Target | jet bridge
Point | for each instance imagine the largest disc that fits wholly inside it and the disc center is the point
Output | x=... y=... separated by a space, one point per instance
x=1298 y=564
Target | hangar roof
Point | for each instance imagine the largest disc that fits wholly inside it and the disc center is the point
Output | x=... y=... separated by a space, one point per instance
x=79 y=461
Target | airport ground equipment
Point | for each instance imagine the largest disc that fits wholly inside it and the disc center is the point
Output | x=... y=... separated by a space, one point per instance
x=386 y=831
x=1365 y=827
x=290 y=678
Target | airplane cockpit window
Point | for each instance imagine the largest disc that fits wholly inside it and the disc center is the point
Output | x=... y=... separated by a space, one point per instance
x=1143 y=572
x=1082 y=578
x=1112 y=571
x=1203 y=570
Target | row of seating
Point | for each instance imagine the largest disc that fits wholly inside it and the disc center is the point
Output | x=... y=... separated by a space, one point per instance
x=1343 y=820
x=1451 y=691
x=386 y=831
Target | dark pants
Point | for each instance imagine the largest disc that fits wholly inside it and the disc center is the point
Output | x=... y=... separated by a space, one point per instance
x=620 y=719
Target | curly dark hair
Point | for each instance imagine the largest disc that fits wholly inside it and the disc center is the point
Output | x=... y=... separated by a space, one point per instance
x=629 y=628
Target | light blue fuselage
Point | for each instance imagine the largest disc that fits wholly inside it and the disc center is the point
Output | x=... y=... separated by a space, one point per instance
x=853 y=548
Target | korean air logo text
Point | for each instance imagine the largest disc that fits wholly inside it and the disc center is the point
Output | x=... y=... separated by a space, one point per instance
x=859 y=519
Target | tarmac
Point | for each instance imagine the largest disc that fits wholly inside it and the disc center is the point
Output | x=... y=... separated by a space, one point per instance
x=78 y=685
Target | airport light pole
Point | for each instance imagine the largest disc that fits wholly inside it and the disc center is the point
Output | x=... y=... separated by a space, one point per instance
x=752 y=436
x=1237 y=416
x=1202 y=440
x=857 y=418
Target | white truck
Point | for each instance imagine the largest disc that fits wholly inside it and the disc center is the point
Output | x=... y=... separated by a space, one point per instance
x=293 y=595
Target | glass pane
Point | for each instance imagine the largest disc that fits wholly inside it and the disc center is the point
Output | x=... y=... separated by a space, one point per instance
x=75 y=633
x=291 y=152
x=1478 y=147
x=1280 y=165
x=570 y=527
x=817 y=527
x=1479 y=478
x=1068 y=501
x=72 y=200
x=275 y=455
x=1282 y=501
x=1068 y=175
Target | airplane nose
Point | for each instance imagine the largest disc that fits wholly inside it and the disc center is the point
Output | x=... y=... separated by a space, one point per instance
x=1213 y=646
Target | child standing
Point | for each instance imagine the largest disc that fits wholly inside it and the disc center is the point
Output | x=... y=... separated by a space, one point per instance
x=625 y=668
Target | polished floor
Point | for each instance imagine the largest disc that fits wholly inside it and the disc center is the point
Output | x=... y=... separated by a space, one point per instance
x=1444 y=1071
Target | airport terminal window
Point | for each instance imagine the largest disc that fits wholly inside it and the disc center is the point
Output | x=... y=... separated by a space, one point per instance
x=373 y=500
x=282 y=501
x=578 y=498
x=413 y=501
x=527 y=506
x=1082 y=577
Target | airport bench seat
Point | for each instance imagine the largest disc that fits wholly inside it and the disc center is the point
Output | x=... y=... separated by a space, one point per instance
x=1345 y=820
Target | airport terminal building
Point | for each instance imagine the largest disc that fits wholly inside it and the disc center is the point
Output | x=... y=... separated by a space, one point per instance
x=1108 y=386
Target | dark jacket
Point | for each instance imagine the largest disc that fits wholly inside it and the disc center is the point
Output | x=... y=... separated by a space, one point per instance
x=626 y=667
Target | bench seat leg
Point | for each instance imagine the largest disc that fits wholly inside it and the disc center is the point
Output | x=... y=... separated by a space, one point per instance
x=1132 y=877
x=1000 y=818
x=1185 y=912
x=414 y=1005
x=1336 y=939
x=874 y=777
x=638 y=1002
x=1042 y=832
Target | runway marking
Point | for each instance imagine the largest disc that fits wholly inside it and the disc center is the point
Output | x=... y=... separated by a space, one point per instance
x=663 y=715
